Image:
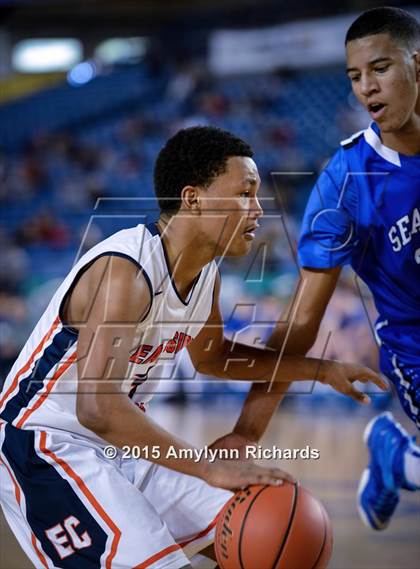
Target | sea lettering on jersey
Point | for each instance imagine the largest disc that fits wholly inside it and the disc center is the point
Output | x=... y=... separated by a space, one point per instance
x=404 y=228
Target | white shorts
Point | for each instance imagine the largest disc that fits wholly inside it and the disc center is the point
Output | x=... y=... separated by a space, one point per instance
x=72 y=508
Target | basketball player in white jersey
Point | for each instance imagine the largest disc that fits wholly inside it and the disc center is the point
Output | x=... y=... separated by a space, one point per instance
x=78 y=392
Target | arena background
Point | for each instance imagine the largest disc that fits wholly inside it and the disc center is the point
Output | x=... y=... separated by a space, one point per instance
x=89 y=93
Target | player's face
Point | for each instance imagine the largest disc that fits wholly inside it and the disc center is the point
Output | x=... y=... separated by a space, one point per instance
x=385 y=79
x=230 y=208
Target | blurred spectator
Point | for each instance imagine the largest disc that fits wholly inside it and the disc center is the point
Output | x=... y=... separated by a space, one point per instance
x=44 y=228
x=14 y=264
x=13 y=330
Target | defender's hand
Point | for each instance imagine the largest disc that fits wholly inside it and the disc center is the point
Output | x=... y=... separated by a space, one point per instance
x=232 y=475
x=342 y=375
x=233 y=441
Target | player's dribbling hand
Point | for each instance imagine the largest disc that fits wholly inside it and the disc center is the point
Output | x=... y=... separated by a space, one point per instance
x=239 y=474
x=342 y=375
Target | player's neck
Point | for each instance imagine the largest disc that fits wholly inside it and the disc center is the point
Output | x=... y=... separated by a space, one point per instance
x=406 y=140
x=184 y=255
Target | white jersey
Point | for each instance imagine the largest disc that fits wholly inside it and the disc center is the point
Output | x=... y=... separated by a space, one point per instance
x=40 y=390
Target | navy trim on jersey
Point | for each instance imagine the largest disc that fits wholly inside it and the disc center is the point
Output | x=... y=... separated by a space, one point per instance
x=31 y=385
x=49 y=500
x=154 y=230
x=89 y=264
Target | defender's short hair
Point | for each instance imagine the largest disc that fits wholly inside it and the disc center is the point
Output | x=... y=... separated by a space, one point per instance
x=193 y=157
x=399 y=24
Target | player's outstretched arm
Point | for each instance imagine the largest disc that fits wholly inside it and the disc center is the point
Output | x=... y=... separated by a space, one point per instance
x=295 y=333
x=112 y=298
x=213 y=354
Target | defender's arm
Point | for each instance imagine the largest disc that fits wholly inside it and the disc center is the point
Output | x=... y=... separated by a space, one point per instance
x=295 y=333
x=213 y=354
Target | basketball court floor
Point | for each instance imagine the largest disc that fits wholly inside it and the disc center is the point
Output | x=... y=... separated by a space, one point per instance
x=333 y=477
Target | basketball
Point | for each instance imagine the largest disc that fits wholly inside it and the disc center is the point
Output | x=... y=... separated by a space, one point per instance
x=273 y=527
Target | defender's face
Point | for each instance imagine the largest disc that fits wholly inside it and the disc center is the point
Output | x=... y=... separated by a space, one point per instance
x=230 y=208
x=384 y=79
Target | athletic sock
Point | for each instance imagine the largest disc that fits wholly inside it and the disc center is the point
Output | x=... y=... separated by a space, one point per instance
x=412 y=467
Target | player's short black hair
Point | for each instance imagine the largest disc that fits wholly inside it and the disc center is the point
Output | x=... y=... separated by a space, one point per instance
x=399 y=24
x=194 y=156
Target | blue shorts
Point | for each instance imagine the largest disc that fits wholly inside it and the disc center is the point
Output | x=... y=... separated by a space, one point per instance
x=405 y=375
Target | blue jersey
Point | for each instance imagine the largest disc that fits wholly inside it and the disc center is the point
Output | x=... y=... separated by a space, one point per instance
x=365 y=211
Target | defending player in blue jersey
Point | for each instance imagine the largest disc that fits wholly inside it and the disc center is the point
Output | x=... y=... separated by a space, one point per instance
x=364 y=211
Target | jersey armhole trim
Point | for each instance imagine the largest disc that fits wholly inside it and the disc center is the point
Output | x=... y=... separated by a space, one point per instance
x=85 y=268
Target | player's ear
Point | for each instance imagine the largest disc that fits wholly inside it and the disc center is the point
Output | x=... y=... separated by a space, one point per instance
x=190 y=197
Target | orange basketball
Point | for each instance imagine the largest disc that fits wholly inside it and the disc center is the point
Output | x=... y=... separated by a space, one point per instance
x=273 y=527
